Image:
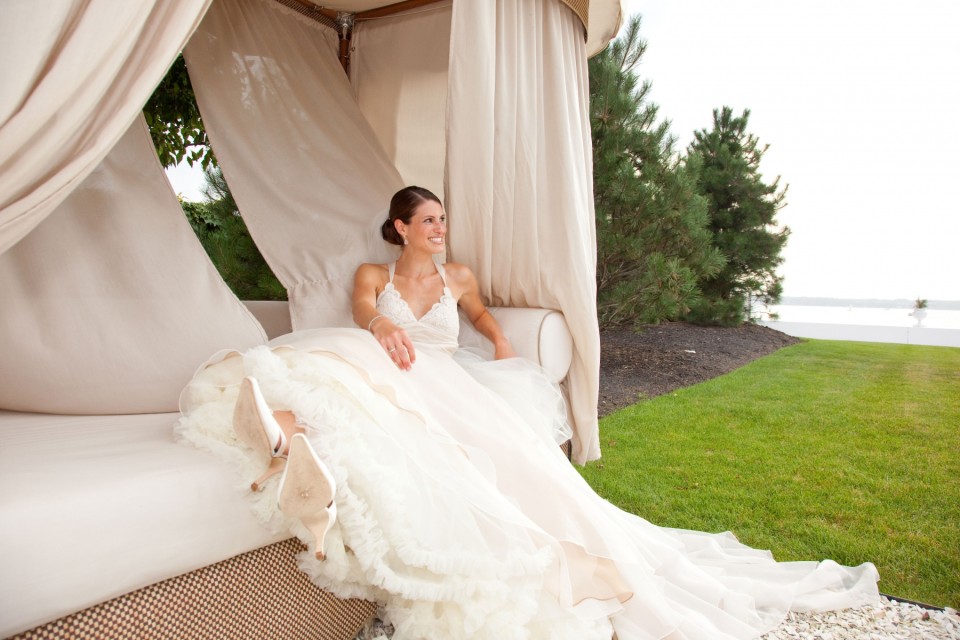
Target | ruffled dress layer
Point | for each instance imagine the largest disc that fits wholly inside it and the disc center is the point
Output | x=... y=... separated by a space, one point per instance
x=459 y=514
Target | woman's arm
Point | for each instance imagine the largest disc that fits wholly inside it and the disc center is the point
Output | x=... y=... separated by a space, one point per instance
x=394 y=340
x=477 y=312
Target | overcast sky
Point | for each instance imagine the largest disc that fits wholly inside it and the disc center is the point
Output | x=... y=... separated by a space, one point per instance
x=859 y=102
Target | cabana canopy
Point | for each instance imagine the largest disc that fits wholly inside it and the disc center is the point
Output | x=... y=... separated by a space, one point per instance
x=110 y=303
x=603 y=15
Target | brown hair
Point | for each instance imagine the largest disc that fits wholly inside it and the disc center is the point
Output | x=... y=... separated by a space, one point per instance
x=402 y=206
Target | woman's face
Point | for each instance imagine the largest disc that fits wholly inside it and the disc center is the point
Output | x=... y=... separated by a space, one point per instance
x=427 y=229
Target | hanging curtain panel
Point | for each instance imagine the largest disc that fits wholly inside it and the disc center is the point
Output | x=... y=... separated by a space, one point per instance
x=399 y=73
x=110 y=303
x=73 y=75
x=519 y=170
x=308 y=173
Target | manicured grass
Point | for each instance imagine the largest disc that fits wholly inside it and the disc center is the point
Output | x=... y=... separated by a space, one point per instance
x=825 y=449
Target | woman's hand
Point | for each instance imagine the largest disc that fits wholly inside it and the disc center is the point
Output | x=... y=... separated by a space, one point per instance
x=395 y=342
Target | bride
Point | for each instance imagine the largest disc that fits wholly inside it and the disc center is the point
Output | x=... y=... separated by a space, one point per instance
x=425 y=481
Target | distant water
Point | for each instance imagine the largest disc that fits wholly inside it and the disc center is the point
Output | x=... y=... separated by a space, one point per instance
x=889 y=317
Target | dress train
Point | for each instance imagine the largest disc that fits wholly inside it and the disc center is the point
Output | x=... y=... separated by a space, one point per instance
x=464 y=521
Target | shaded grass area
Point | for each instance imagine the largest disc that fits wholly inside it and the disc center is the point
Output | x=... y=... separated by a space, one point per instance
x=824 y=449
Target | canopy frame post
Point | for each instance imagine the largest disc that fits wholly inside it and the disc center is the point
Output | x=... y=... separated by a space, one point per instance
x=345 y=22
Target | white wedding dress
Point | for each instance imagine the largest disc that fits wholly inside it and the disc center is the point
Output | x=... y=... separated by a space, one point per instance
x=459 y=514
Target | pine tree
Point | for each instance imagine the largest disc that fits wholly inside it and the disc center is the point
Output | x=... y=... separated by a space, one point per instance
x=652 y=239
x=742 y=210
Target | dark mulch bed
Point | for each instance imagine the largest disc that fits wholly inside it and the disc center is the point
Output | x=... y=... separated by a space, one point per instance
x=660 y=358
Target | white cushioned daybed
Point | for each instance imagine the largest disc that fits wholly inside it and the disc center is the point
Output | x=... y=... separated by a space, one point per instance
x=109 y=528
x=97 y=507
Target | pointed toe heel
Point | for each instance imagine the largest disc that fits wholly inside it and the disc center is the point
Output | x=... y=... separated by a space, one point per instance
x=256 y=428
x=306 y=491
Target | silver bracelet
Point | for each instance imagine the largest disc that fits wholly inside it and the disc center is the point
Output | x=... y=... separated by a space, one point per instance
x=372 y=320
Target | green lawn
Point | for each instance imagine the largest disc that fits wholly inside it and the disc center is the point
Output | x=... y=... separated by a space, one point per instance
x=824 y=449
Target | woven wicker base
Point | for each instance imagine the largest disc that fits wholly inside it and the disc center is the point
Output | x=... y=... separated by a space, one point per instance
x=259 y=594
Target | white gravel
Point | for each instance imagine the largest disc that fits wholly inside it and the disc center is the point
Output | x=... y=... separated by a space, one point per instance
x=889 y=620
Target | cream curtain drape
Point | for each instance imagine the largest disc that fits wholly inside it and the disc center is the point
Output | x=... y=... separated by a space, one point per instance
x=307 y=171
x=73 y=75
x=399 y=74
x=110 y=303
x=519 y=174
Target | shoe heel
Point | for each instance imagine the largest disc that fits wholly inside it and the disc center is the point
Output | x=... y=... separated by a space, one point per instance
x=319 y=526
x=306 y=492
x=276 y=466
x=256 y=428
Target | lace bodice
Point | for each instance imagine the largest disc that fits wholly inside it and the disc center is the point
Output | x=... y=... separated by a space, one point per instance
x=440 y=325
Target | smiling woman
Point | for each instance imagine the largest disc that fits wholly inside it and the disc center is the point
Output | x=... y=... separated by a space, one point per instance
x=418 y=224
x=481 y=528
x=415 y=210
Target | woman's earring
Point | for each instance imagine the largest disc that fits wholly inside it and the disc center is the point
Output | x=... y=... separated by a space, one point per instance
x=405 y=241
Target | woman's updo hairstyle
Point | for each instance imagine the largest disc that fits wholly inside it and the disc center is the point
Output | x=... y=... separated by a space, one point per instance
x=402 y=206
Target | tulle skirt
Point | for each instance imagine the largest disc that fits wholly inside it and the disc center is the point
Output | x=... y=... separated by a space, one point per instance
x=459 y=514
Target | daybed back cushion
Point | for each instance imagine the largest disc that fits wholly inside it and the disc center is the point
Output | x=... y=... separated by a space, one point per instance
x=540 y=335
x=110 y=304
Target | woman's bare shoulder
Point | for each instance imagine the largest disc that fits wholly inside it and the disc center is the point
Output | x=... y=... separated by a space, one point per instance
x=460 y=280
x=371 y=269
x=371 y=273
x=458 y=272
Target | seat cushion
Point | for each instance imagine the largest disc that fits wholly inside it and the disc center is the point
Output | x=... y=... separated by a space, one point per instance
x=92 y=507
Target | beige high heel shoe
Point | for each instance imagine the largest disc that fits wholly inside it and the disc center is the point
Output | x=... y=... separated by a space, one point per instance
x=306 y=491
x=256 y=428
